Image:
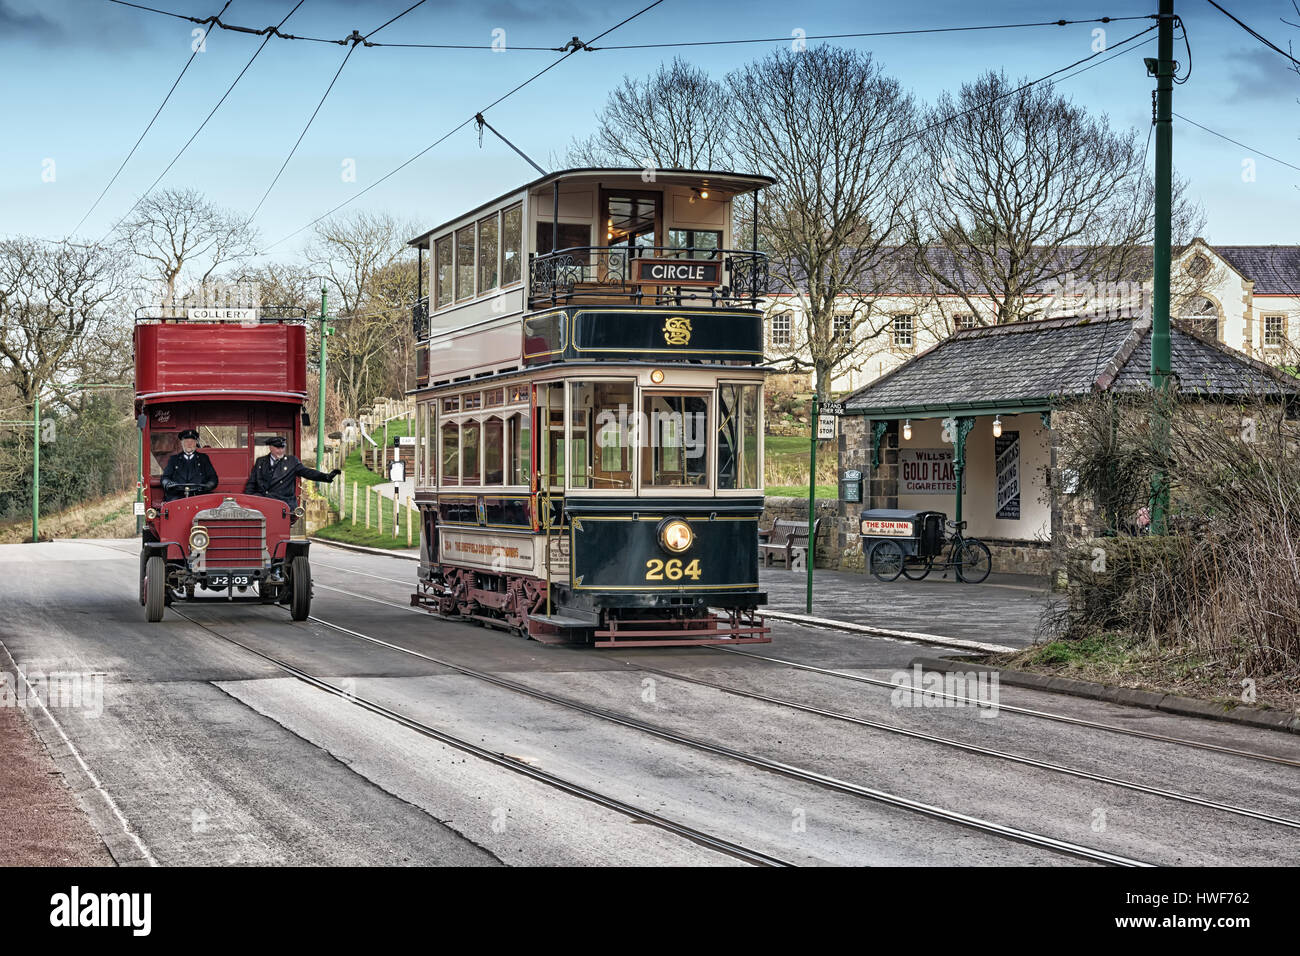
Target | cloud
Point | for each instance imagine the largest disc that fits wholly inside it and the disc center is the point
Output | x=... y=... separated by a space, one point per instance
x=28 y=27
x=1260 y=74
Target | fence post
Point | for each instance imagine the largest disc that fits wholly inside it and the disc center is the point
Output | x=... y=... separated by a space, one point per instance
x=367 y=508
x=354 y=503
x=410 y=516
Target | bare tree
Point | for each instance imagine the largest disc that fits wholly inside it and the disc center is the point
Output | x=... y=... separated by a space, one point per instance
x=1024 y=193
x=175 y=230
x=358 y=254
x=57 y=312
x=832 y=129
x=673 y=119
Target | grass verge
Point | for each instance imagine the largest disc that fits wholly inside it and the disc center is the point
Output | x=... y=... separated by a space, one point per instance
x=1122 y=660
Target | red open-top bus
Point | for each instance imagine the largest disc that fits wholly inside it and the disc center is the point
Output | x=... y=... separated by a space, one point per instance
x=238 y=378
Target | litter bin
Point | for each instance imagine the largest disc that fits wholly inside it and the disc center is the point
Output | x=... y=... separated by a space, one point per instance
x=891 y=538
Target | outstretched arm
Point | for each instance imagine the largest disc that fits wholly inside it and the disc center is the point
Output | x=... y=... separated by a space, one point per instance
x=311 y=474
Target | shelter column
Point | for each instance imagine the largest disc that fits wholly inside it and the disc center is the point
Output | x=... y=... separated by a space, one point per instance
x=961 y=428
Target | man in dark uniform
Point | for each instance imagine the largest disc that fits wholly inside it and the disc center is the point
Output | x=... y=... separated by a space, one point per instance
x=189 y=471
x=274 y=475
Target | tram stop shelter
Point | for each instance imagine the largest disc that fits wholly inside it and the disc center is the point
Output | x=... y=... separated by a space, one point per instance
x=976 y=411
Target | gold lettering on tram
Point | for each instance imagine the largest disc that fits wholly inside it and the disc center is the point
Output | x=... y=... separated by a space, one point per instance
x=677 y=330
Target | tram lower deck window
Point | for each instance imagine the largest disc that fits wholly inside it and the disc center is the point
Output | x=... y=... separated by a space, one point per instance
x=674 y=449
x=600 y=422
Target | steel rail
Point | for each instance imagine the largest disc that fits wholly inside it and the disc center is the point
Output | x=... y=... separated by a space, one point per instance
x=754 y=760
x=719 y=844
x=1009 y=708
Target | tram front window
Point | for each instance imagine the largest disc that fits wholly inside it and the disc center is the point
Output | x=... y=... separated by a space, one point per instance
x=674 y=445
x=600 y=421
x=738 y=436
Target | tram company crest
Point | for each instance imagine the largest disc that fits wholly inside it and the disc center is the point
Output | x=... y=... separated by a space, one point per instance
x=677 y=330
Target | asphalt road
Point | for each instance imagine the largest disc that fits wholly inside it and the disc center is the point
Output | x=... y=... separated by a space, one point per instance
x=202 y=752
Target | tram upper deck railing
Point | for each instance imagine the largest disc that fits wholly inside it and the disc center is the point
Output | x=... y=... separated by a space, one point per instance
x=648 y=276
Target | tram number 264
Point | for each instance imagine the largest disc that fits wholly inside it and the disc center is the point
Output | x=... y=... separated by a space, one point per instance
x=671 y=570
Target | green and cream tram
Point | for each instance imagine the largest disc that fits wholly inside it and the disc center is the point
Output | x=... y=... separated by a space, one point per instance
x=590 y=411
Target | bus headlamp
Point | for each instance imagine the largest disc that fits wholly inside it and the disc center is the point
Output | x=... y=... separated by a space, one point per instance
x=198 y=538
x=676 y=536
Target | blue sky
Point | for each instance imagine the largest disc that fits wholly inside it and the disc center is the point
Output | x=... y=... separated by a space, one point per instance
x=80 y=78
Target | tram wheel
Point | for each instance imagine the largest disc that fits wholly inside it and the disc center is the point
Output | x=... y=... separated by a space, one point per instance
x=917 y=572
x=155 y=588
x=300 y=588
x=973 y=561
x=885 y=560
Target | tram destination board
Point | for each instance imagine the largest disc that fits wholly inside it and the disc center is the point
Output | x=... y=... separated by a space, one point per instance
x=701 y=272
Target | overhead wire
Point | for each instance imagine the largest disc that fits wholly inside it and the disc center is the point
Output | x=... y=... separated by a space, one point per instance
x=451 y=132
x=93 y=206
x=1256 y=34
x=212 y=113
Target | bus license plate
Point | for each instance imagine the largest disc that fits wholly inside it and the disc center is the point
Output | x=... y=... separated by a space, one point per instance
x=229 y=580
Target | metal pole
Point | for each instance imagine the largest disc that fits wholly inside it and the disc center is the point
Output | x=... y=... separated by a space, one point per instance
x=139 y=475
x=320 y=410
x=811 y=554
x=36 y=469
x=1160 y=355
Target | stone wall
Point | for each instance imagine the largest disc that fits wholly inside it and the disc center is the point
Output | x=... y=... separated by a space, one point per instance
x=796 y=509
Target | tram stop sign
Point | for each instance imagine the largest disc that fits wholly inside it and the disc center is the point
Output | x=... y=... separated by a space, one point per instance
x=397 y=471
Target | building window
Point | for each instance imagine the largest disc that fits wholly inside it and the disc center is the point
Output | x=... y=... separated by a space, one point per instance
x=1274 y=331
x=903 y=332
x=1203 y=318
x=781 y=328
x=842 y=329
x=964 y=321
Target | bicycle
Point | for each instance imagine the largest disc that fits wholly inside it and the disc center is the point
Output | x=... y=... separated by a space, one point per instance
x=969 y=557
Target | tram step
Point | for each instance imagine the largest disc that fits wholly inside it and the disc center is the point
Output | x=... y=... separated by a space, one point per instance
x=561 y=620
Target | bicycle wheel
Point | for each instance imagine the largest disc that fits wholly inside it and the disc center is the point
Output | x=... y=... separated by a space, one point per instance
x=885 y=560
x=973 y=561
x=916 y=569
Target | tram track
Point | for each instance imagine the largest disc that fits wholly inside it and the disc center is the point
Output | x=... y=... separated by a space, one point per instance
x=964 y=746
x=876 y=682
x=788 y=770
x=777 y=766
x=685 y=831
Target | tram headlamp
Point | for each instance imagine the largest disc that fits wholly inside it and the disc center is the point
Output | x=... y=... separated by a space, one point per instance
x=198 y=538
x=676 y=536
x=151 y=514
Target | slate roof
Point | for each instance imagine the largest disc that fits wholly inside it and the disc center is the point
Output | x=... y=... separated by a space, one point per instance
x=1273 y=269
x=1031 y=362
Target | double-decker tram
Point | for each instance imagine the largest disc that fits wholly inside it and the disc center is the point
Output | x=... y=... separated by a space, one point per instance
x=590 y=411
x=216 y=389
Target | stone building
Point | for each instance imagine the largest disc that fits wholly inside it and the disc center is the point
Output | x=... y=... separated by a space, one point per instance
x=979 y=410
